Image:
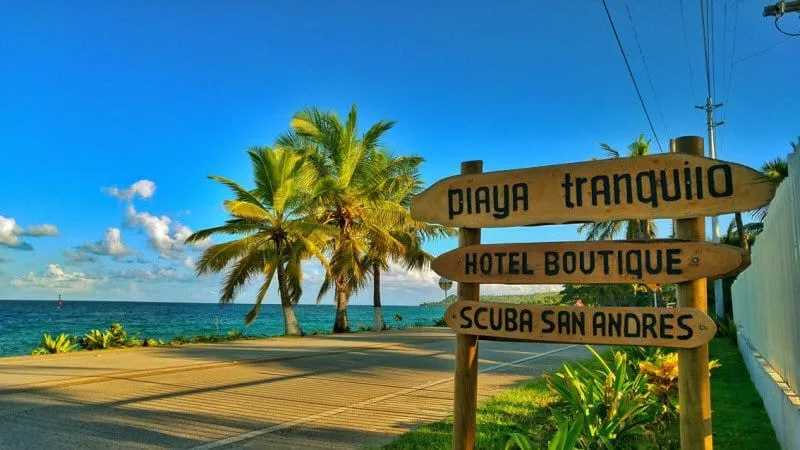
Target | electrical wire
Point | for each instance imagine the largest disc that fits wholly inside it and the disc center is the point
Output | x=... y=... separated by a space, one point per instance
x=688 y=58
x=777 y=18
x=705 y=47
x=646 y=70
x=633 y=79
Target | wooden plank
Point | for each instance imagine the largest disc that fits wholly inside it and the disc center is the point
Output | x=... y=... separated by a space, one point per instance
x=694 y=384
x=592 y=262
x=465 y=382
x=666 y=186
x=658 y=327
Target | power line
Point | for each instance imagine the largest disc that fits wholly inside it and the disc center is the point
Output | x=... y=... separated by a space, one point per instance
x=711 y=36
x=705 y=47
x=733 y=58
x=688 y=58
x=646 y=71
x=633 y=79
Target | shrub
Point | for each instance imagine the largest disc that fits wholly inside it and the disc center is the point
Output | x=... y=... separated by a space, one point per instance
x=613 y=404
x=662 y=382
x=179 y=340
x=726 y=328
x=440 y=322
x=62 y=344
x=114 y=337
x=234 y=335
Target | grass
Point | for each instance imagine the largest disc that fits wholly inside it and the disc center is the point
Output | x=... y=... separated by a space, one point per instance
x=738 y=417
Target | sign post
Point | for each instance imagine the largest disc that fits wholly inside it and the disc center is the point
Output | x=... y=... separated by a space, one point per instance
x=465 y=395
x=694 y=385
x=682 y=185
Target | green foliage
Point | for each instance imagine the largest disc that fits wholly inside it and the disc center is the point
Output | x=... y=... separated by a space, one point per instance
x=440 y=322
x=148 y=342
x=606 y=295
x=114 y=337
x=180 y=340
x=234 y=335
x=615 y=406
x=62 y=344
x=726 y=328
x=539 y=298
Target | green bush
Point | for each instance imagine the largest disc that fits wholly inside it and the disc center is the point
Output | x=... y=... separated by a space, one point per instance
x=114 y=337
x=726 y=328
x=235 y=335
x=615 y=405
x=62 y=344
x=179 y=340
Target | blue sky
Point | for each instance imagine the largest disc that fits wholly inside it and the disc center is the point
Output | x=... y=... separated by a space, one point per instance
x=102 y=95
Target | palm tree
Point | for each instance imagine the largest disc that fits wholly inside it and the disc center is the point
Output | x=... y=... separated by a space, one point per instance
x=776 y=171
x=349 y=195
x=402 y=183
x=634 y=229
x=279 y=233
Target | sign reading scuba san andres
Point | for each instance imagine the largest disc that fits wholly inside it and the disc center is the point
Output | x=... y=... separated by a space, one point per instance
x=658 y=261
x=669 y=186
x=661 y=327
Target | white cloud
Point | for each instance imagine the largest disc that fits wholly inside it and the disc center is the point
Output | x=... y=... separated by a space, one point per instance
x=41 y=230
x=79 y=256
x=165 y=235
x=10 y=233
x=111 y=245
x=142 y=188
x=56 y=278
x=153 y=274
x=189 y=263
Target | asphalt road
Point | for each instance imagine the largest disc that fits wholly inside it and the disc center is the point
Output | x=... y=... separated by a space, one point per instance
x=315 y=392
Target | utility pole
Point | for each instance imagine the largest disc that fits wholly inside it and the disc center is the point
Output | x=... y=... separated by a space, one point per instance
x=709 y=107
x=782 y=7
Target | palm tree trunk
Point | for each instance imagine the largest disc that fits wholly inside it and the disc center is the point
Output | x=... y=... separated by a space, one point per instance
x=742 y=234
x=290 y=325
x=341 y=324
x=377 y=321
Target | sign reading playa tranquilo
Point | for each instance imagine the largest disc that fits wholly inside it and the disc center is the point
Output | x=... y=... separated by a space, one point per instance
x=664 y=327
x=659 y=261
x=670 y=186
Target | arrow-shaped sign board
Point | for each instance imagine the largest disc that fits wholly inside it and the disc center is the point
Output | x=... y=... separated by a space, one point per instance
x=669 y=186
x=593 y=262
x=655 y=327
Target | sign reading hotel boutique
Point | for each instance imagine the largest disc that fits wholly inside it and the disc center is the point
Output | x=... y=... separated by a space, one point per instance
x=661 y=327
x=659 y=261
x=669 y=186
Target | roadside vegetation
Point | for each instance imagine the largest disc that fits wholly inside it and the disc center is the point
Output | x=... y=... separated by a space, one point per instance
x=625 y=398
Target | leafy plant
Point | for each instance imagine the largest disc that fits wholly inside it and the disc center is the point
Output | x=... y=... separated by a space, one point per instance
x=440 y=322
x=96 y=340
x=179 y=340
x=726 y=328
x=234 y=335
x=147 y=342
x=662 y=381
x=614 y=404
x=62 y=344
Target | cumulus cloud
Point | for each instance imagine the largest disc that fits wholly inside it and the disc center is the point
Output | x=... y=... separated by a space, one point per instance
x=153 y=274
x=142 y=188
x=10 y=233
x=79 y=256
x=55 y=277
x=111 y=245
x=41 y=230
x=165 y=235
x=189 y=263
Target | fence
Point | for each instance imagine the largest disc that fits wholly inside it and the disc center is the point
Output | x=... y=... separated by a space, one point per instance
x=766 y=307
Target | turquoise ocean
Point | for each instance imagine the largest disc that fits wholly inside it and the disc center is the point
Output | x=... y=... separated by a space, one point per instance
x=22 y=322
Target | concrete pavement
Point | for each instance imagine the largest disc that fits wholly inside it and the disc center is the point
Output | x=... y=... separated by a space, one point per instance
x=334 y=391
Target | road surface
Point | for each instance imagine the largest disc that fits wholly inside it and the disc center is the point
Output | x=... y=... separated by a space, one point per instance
x=333 y=392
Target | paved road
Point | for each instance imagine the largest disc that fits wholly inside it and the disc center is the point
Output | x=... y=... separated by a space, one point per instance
x=316 y=392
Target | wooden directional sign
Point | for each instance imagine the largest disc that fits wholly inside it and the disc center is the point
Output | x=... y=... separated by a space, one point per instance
x=598 y=262
x=656 y=327
x=669 y=186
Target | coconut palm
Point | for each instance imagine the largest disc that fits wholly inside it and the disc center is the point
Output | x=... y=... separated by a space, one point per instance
x=349 y=194
x=776 y=171
x=634 y=229
x=278 y=232
x=402 y=182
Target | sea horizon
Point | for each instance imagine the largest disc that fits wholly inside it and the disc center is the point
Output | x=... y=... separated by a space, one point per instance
x=22 y=322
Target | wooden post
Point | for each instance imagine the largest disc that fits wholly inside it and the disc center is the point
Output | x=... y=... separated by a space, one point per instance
x=465 y=396
x=693 y=377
